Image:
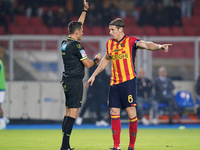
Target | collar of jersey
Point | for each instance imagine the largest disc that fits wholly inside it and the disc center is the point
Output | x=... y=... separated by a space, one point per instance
x=121 y=39
x=69 y=38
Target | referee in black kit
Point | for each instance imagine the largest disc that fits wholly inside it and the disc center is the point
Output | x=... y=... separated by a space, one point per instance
x=75 y=60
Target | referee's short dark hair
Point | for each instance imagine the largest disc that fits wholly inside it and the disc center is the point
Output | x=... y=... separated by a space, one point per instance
x=73 y=26
x=118 y=22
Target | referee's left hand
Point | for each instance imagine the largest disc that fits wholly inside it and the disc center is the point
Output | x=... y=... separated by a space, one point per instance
x=86 y=5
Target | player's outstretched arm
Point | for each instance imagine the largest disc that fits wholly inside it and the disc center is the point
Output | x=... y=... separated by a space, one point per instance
x=105 y=61
x=153 y=46
x=83 y=14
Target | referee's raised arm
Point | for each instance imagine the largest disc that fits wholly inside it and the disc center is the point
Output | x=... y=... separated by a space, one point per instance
x=83 y=14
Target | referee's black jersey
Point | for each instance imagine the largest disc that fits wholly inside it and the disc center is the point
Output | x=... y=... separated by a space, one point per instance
x=73 y=53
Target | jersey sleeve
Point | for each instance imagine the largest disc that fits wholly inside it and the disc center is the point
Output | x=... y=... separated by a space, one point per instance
x=81 y=52
x=134 y=41
x=107 y=47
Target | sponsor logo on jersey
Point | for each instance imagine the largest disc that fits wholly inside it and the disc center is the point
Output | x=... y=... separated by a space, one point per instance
x=120 y=56
x=83 y=53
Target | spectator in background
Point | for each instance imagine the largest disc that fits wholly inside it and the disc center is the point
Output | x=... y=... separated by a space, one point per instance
x=127 y=8
x=61 y=2
x=69 y=6
x=144 y=95
x=164 y=92
x=96 y=96
x=114 y=7
x=106 y=15
x=33 y=8
x=50 y=2
x=111 y=7
x=19 y=7
x=186 y=8
x=63 y=17
x=77 y=7
x=3 y=20
x=49 y=18
x=168 y=3
x=146 y=16
x=160 y=15
x=93 y=16
x=175 y=15
x=144 y=3
x=8 y=6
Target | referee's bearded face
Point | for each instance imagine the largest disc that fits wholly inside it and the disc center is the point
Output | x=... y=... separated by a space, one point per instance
x=114 y=32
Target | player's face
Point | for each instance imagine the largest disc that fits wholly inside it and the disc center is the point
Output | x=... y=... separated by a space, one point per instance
x=114 y=32
x=80 y=34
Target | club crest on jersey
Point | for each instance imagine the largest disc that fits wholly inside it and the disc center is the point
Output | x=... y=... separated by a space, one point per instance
x=83 y=53
x=79 y=46
x=64 y=46
x=122 y=44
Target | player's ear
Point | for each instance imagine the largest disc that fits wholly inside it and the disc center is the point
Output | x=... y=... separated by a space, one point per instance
x=77 y=32
x=120 y=29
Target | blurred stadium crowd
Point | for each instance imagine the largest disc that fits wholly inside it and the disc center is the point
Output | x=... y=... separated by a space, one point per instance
x=147 y=17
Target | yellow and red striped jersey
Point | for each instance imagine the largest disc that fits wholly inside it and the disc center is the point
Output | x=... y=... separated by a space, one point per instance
x=123 y=54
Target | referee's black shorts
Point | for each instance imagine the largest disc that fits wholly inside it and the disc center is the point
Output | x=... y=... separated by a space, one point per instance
x=73 y=89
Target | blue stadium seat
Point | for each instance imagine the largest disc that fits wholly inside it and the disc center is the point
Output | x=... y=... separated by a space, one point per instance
x=146 y=105
x=184 y=99
x=162 y=105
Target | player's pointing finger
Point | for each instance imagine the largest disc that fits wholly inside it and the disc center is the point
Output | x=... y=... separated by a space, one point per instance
x=168 y=44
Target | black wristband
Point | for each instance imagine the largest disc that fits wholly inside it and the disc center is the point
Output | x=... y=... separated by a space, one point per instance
x=84 y=10
x=95 y=61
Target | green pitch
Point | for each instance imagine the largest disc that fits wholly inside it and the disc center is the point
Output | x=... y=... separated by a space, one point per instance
x=100 y=139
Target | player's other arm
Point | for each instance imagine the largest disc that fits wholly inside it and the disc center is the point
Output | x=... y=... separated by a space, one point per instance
x=89 y=63
x=83 y=14
x=105 y=61
x=153 y=46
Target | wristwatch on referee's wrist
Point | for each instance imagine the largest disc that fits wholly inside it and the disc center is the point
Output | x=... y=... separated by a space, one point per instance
x=84 y=10
x=95 y=61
